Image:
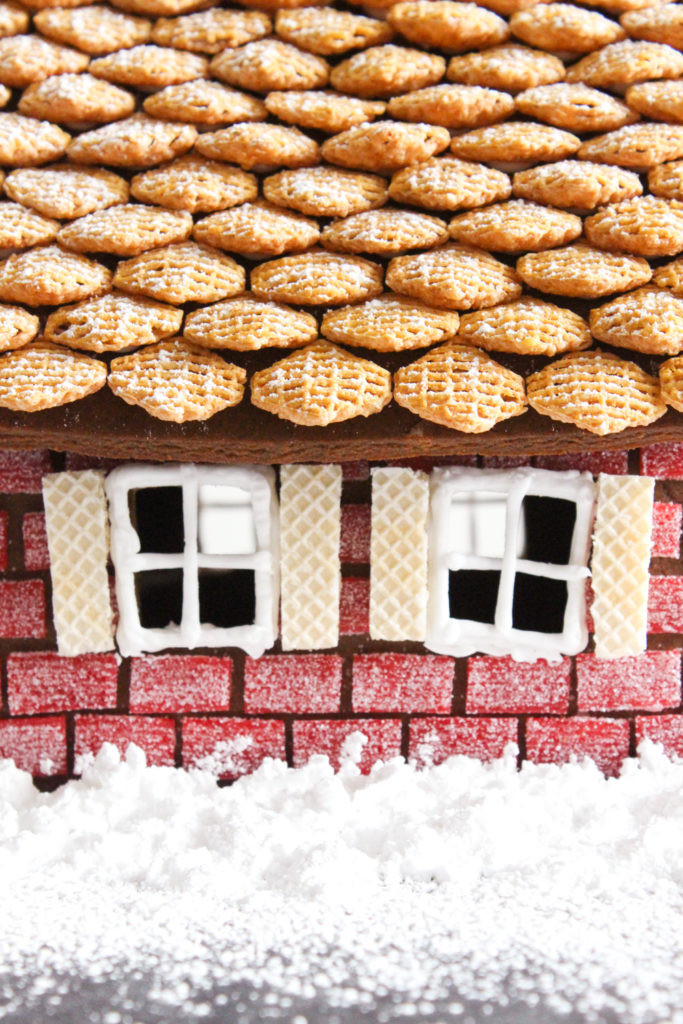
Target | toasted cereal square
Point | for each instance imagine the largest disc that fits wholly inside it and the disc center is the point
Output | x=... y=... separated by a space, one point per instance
x=25 y=142
x=639 y=146
x=384 y=232
x=246 y=324
x=527 y=326
x=325 y=191
x=317 y=278
x=385 y=146
x=137 y=141
x=322 y=110
x=257 y=230
x=149 y=66
x=509 y=67
x=126 y=230
x=270 y=64
x=13 y=19
x=78 y=101
x=383 y=71
x=95 y=29
x=448 y=25
x=662 y=101
x=112 y=323
x=389 y=323
x=575 y=107
x=204 y=102
x=565 y=28
x=646 y=320
x=42 y=375
x=576 y=184
x=666 y=180
x=446 y=183
x=643 y=226
x=326 y=32
x=64 y=191
x=515 y=226
x=21 y=228
x=453 y=106
x=30 y=58
x=670 y=276
x=454 y=277
x=260 y=147
x=162 y=8
x=515 y=143
x=657 y=24
x=582 y=271
x=194 y=184
x=211 y=31
x=49 y=275
x=180 y=273
x=624 y=63
x=671 y=380
x=17 y=327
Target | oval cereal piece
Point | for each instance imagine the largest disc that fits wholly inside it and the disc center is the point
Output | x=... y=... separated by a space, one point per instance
x=639 y=146
x=161 y=8
x=149 y=66
x=446 y=183
x=644 y=226
x=260 y=147
x=211 y=31
x=671 y=381
x=326 y=191
x=270 y=64
x=527 y=327
x=321 y=384
x=137 y=141
x=257 y=230
x=21 y=227
x=317 y=278
x=575 y=107
x=670 y=276
x=516 y=226
x=509 y=67
x=194 y=184
x=454 y=277
x=95 y=29
x=389 y=323
x=385 y=146
x=49 y=275
x=384 y=232
x=126 y=230
x=515 y=143
x=326 y=31
x=662 y=101
x=180 y=273
x=25 y=142
x=175 y=381
x=383 y=71
x=114 y=322
x=247 y=324
x=657 y=24
x=205 y=103
x=66 y=192
x=596 y=391
x=460 y=387
x=627 y=62
x=583 y=272
x=42 y=375
x=323 y=110
x=665 y=180
x=565 y=28
x=646 y=320
x=576 y=184
x=78 y=101
x=17 y=327
x=448 y=25
x=13 y=19
x=29 y=58
x=453 y=106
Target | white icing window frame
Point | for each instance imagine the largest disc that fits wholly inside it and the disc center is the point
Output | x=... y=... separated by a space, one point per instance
x=259 y=481
x=462 y=637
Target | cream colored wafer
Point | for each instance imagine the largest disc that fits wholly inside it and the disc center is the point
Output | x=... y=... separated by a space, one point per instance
x=661 y=101
x=149 y=66
x=49 y=275
x=575 y=107
x=321 y=384
x=389 y=323
x=515 y=226
x=646 y=320
x=671 y=380
x=323 y=110
x=25 y=142
x=317 y=278
x=205 y=103
x=627 y=62
x=326 y=31
x=576 y=184
x=258 y=230
x=13 y=19
x=596 y=391
x=211 y=31
x=657 y=24
x=453 y=277
x=453 y=106
x=260 y=147
x=515 y=143
x=137 y=141
x=270 y=64
x=17 y=327
x=21 y=227
x=194 y=184
x=186 y=272
x=527 y=327
x=637 y=145
x=446 y=183
x=666 y=180
x=383 y=71
x=246 y=324
x=326 y=191
x=565 y=28
x=509 y=67
x=30 y=58
x=78 y=101
x=384 y=232
x=460 y=387
x=114 y=322
x=126 y=230
x=42 y=375
x=64 y=191
x=447 y=25
x=644 y=226
x=95 y=29
x=670 y=276
x=385 y=146
x=582 y=271
x=176 y=381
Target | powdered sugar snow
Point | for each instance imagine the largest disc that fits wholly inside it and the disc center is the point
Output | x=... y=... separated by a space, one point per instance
x=421 y=894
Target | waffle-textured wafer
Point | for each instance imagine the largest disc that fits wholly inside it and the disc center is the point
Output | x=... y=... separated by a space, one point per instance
x=510 y=67
x=49 y=275
x=640 y=146
x=385 y=146
x=662 y=101
x=576 y=184
x=326 y=31
x=666 y=180
x=644 y=226
x=446 y=183
x=575 y=107
x=95 y=29
x=648 y=320
x=565 y=28
x=245 y=324
x=13 y=19
x=383 y=71
x=657 y=24
x=25 y=142
x=17 y=327
x=114 y=322
x=596 y=391
x=460 y=387
x=126 y=230
x=194 y=184
x=270 y=64
x=448 y=25
x=514 y=143
x=211 y=31
x=528 y=327
x=317 y=278
x=30 y=58
x=582 y=271
x=454 y=277
x=149 y=66
x=204 y=102
x=625 y=63
x=321 y=384
x=384 y=232
x=174 y=380
x=671 y=381
x=515 y=226
x=42 y=375
x=389 y=323
x=78 y=101
x=258 y=230
x=453 y=106
x=137 y=141
x=670 y=276
x=262 y=147
x=326 y=191
x=323 y=110
x=64 y=191
x=21 y=228
x=186 y=272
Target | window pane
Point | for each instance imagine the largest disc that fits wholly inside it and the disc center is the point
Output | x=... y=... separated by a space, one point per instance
x=477 y=523
x=160 y=597
x=473 y=593
x=227 y=597
x=157 y=515
x=548 y=525
x=225 y=521
x=538 y=603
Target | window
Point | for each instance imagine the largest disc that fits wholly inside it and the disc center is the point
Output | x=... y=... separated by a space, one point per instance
x=196 y=557
x=507 y=562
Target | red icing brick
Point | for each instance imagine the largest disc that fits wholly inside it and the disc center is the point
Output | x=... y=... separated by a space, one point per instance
x=354 y=606
x=664 y=729
x=665 y=604
x=43 y=681
x=402 y=683
x=586 y=462
x=174 y=683
x=230 y=747
x=36 y=554
x=22 y=609
x=666 y=529
x=501 y=684
x=299 y=683
x=359 y=470
x=505 y=461
x=432 y=740
x=327 y=737
x=354 y=542
x=156 y=736
x=426 y=464
x=36 y=745
x=3 y=541
x=22 y=472
x=650 y=681
x=556 y=740
x=662 y=460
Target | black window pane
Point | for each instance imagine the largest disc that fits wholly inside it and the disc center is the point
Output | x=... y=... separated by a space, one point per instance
x=473 y=593
x=159 y=594
x=157 y=516
x=549 y=528
x=227 y=597
x=538 y=603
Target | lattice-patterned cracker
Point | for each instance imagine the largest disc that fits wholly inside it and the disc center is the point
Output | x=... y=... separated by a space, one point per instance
x=460 y=387
x=637 y=145
x=270 y=64
x=30 y=58
x=204 y=102
x=112 y=323
x=13 y=19
x=515 y=226
x=78 y=101
x=326 y=31
x=671 y=380
x=662 y=101
x=666 y=180
x=388 y=70
x=149 y=66
x=644 y=226
x=174 y=380
x=625 y=63
x=321 y=384
x=261 y=147
x=194 y=184
x=25 y=142
x=95 y=29
x=323 y=110
x=186 y=272
x=454 y=277
x=384 y=232
x=515 y=143
x=582 y=271
x=446 y=183
x=565 y=28
x=385 y=146
x=64 y=191
x=447 y=25
x=42 y=375
x=21 y=228
x=507 y=7
x=17 y=327
x=211 y=31
x=126 y=230
x=528 y=326
x=596 y=391
x=78 y=541
x=670 y=276
x=49 y=275
x=657 y=24
x=454 y=106
x=575 y=107
x=645 y=320
x=577 y=184
x=618 y=7
x=398 y=554
x=509 y=67
x=258 y=230
x=137 y=141
x=162 y=8
x=246 y=324
x=389 y=323
x=326 y=191
x=317 y=278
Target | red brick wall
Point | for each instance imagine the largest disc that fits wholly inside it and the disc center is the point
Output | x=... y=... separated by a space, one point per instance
x=229 y=711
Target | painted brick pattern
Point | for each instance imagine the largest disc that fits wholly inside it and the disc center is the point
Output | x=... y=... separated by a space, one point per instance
x=354 y=542
x=665 y=604
x=39 y=682
x=586 y=462
x=664 y=729
x=180 y=683
x=298 y=683
x=402 y=683
x=3 y=541
x=666 y=529
x=504 y=685
x=432 y=740
x=230 y=747
x=154 y=735
x=557 y=740
x=22 y=609
x=22 y=472
x=354 y=606
x=36 y=552
x=36 y=745
x=330 y=738
x=664 y=461
x=649 y=681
